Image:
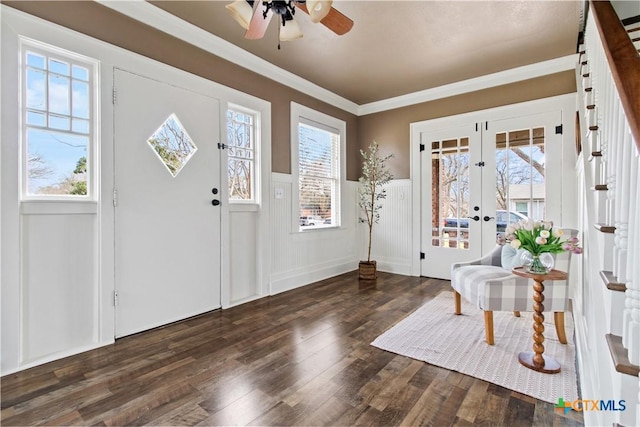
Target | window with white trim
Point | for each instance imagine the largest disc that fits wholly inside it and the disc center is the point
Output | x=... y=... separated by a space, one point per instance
x=58 y=130
x=318 y=150
x=241 y=154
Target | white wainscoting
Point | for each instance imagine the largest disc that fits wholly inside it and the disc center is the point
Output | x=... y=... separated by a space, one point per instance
x=391 y=246
x=59 y=295
x=300 y=258
x=244 y=255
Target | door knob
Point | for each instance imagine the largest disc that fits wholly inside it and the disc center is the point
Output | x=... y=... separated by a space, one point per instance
x=475 y=218
x=215 y=202
x=487 y=217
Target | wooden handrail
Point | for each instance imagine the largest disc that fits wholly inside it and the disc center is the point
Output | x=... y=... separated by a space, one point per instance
x=623 y=60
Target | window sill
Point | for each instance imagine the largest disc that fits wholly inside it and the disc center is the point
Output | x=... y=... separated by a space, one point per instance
x=320 y=232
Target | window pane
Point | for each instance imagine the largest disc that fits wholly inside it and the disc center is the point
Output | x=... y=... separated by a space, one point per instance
x=58 y=67
x=316 y=153
x=241 y=155
x=450 y=193
x=80 y=73
x=56 y=163
x=36 y=119
x=520 y=173
x=80 y=100
x=316 y=200
x=240 y=179
x=59 y=101
x=59 y=122
x=35 y=90
x=36 y=61
x=172 y=144
x=80 y=126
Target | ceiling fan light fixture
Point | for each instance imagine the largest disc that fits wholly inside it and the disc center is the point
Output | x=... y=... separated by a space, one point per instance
x=318 y=9
x=290 y=31
x=241 y=11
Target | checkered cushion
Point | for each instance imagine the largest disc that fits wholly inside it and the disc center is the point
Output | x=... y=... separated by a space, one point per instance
x=492 y=288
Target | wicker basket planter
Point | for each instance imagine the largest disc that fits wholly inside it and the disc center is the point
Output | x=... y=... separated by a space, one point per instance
x=368 y=270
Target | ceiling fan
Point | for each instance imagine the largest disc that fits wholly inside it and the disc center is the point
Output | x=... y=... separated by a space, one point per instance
x=255 y=15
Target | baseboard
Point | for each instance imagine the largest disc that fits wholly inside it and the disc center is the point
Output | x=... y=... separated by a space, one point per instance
x=56 y=356
x=292 y=279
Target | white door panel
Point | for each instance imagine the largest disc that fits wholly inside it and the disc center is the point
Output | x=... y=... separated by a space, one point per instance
x=167 y=232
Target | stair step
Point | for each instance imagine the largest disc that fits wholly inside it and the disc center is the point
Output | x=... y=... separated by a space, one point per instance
x=611 y=282
x=603 y=228
x=620 y=357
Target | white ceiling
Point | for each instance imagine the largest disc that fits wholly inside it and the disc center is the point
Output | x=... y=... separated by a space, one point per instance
x=400 y=47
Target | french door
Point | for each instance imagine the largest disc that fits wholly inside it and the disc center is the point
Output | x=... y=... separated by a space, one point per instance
x=167 y=177
x=476 y=178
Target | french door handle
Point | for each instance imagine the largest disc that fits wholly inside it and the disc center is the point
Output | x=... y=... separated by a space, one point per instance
x=475 y=218
x=487 y=217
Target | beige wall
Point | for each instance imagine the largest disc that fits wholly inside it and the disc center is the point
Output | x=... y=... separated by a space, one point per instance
x=390 y=129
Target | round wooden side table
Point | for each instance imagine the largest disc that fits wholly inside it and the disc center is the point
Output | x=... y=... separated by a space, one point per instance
x=536 y=359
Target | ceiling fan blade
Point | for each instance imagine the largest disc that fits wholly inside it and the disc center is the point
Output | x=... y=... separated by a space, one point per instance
x=258 y=25
x=335 y=20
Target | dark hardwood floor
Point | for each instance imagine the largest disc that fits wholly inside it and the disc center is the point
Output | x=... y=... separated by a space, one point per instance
x=299 y=358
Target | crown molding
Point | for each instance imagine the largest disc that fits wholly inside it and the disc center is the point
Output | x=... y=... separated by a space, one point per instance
x=153 y=16
x=471 y=85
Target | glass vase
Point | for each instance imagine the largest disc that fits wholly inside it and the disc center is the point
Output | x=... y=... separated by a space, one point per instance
x=537 y=264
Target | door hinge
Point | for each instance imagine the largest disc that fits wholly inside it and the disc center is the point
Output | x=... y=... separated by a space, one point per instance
x=115 y=95
x=222 y=146
x=481 y=164
x=421 y=255
x=421 y=147
x=115 y=298
x=559 y=130
x=115 y=197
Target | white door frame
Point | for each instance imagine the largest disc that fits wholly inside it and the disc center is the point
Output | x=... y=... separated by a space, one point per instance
x=566 y=104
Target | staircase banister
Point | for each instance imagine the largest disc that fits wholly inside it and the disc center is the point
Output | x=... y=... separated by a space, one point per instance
x=623 y=59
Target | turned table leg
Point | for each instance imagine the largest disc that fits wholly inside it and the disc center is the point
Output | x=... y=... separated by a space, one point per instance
x=536 y=360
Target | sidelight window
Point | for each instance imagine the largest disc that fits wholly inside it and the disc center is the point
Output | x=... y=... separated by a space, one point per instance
x=241 y=155
x=58 y=131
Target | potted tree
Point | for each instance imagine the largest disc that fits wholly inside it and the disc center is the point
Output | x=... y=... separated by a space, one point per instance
x=371 y=192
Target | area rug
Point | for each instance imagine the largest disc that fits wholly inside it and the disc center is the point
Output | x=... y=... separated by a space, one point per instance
x=434 y=334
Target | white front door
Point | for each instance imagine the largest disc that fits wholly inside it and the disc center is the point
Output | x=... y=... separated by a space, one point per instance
x=167 y=230
x=477 y=178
